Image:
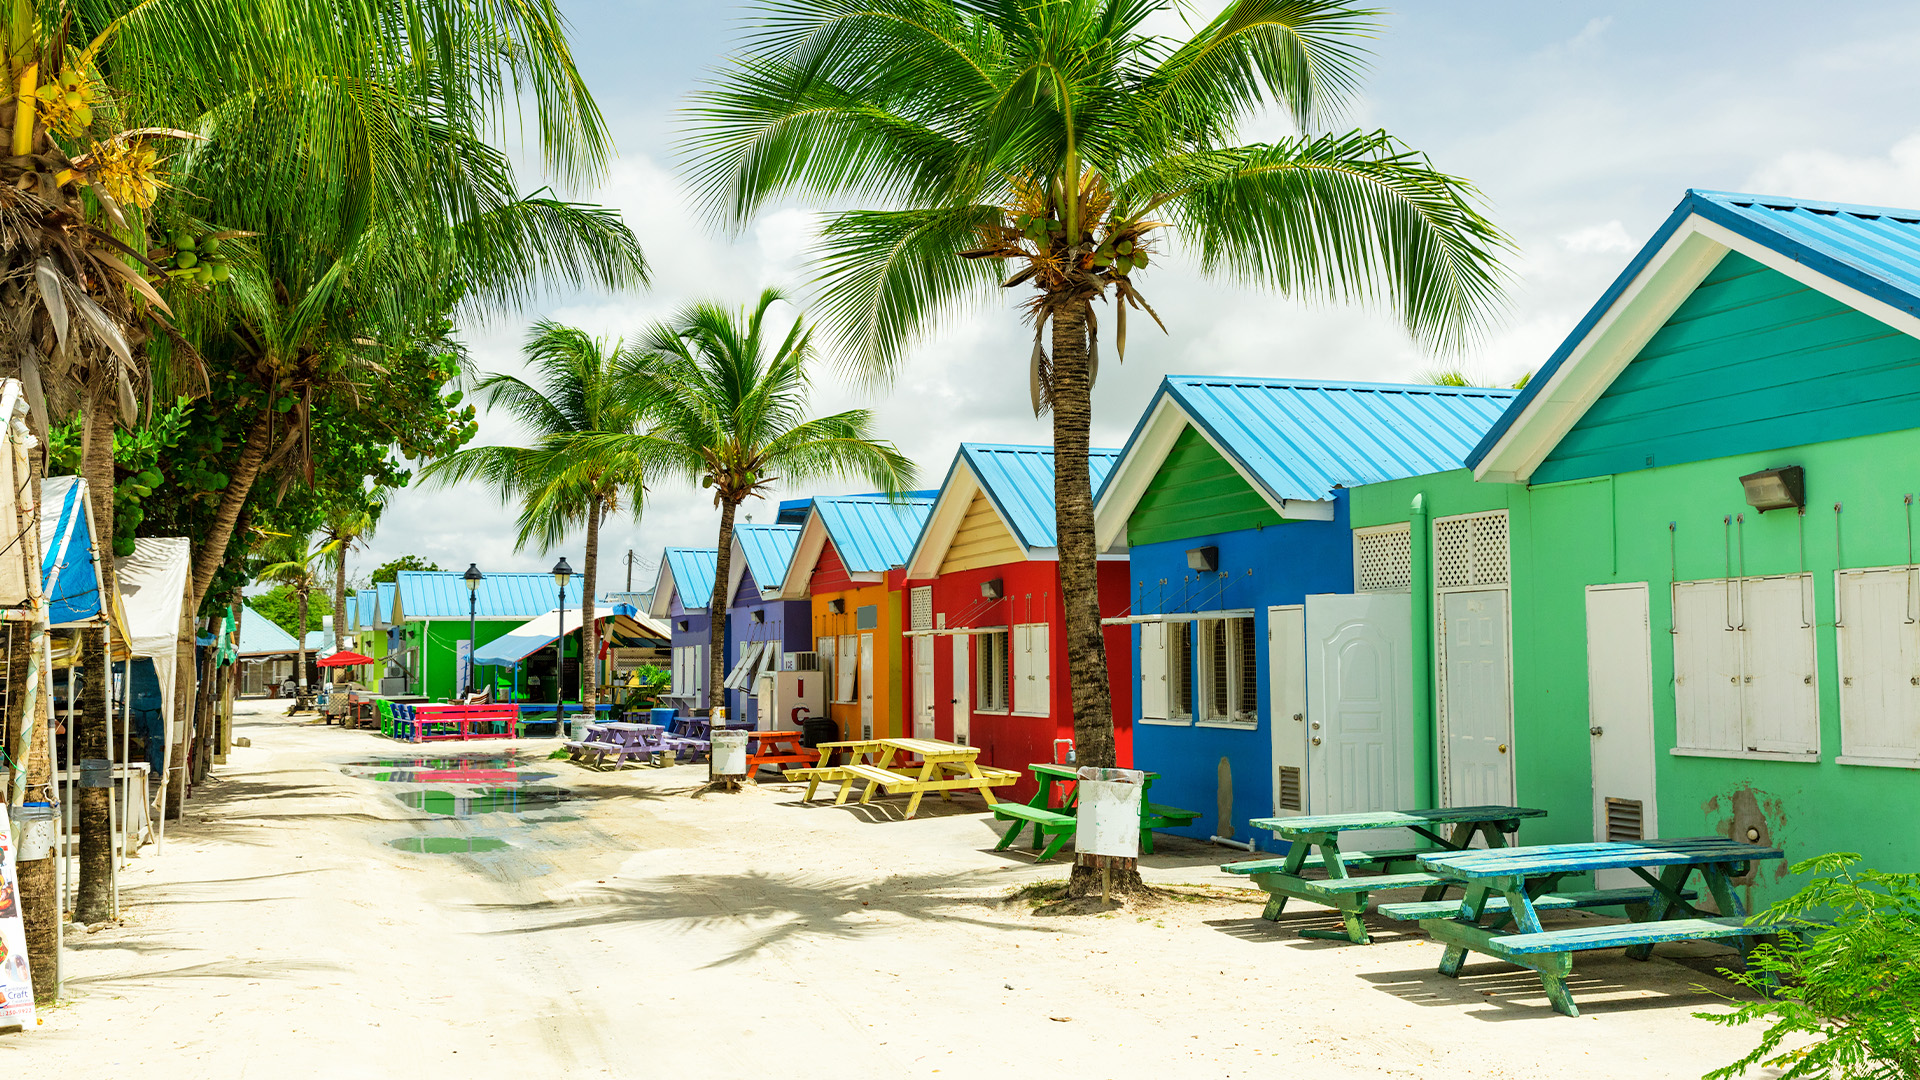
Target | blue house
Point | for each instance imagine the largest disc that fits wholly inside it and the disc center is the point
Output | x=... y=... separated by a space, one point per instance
x=761 y=627
x=682 y=594
x=1231 y=500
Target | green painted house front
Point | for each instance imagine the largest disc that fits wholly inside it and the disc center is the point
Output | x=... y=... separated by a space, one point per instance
x=1612 y=630
x=431 y=609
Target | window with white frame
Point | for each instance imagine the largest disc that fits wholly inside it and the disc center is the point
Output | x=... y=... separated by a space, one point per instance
x=990 y=671
x=1228 y=671
x=1179 y=670
x=1877 y=624
x=846 y=677
x=1032 y=671
x=1745 y=680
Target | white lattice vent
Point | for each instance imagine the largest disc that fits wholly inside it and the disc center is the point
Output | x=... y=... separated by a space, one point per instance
x=1383 y=559
x=1470 y=550
x=921 y=617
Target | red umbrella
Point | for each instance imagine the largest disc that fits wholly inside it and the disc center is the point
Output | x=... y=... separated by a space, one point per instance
x=345 y=659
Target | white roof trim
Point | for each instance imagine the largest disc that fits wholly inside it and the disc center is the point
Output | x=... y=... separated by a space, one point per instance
x=949 y=510
x=662 y=604
x=806 y=554
x=736 y=571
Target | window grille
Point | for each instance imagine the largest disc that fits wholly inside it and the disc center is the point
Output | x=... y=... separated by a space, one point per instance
x=1291 y=797
x=1180 y=670
x=1470 y=550
x=1624 y=818
x=1383 y=559
x=990 y=671
x=921 y=617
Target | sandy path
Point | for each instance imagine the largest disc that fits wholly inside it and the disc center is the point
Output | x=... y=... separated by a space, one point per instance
x=634 y=931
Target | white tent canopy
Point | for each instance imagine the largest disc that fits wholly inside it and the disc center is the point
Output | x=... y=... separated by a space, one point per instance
x=538 y=633
x=153 y=589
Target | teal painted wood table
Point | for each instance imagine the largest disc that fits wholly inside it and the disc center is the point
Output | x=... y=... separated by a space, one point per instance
x=1523 y=877
x=1450 y=828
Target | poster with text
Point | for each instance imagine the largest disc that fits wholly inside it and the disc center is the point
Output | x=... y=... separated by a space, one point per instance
x=463 y=665
x=16 y=982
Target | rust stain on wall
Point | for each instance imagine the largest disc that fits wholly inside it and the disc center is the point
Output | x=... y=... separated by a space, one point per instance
x=1751 y=816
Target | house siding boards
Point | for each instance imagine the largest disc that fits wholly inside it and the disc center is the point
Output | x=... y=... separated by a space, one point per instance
x=1751 y=360
x=981 y=540
x=1196 y=491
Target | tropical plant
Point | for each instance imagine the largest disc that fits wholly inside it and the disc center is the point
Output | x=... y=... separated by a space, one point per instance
x=579 y=393
x=1060 y=145
x=351 y=518
x=292 y=559
x=1845 y=974
x=724 y=396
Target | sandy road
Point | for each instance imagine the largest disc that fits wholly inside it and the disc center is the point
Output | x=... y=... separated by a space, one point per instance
x=632 y=930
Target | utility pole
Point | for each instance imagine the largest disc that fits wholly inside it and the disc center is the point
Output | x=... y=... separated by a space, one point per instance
x=629 y=569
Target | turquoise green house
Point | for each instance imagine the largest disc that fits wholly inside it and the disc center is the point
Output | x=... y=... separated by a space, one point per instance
x=1674 y=591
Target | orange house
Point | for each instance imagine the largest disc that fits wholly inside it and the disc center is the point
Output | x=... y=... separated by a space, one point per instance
x=846 y=565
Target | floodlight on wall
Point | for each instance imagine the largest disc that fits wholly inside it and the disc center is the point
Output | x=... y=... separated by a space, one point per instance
x=1776 y=489
x=1204 y=559
x=991 y=590
x=837 y=607
x=759 y=616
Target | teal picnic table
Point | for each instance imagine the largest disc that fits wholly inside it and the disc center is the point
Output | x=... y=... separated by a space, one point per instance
x=1452 y=828
x=1513 y=886
x=1054 y=821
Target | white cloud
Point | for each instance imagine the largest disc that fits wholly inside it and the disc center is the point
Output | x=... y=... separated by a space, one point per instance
x=1890 y=179
x=1599 y=238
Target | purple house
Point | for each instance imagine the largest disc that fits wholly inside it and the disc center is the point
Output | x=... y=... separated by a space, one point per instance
x=680 y=599
x=760 y=629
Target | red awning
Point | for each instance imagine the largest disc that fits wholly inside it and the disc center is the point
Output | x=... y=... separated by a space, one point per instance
x=345 y=659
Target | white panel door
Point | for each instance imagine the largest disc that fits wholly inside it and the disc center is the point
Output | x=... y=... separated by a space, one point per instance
x=923 y=687
x=962 y=690
x=1153 y=671
x=866 y=686
x=1287 y=707
x=1620 y=719
x=1359 y=716
x=1476 y=700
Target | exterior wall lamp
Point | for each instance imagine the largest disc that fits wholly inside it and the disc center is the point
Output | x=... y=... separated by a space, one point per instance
x=1776 y=489
x=992 y=590
x=837 y=606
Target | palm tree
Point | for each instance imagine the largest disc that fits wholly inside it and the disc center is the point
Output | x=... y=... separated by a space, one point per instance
x=291 y=561
x=578 y=394
x=725 y=400
x=1057 y=144
x=350 y=521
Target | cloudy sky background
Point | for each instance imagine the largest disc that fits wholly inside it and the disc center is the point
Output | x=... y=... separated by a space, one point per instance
x=1581 y=126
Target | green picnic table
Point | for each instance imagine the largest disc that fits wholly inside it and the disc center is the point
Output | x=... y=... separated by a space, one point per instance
x=1452 y=828
x=1516 y=884
x=1054 y=822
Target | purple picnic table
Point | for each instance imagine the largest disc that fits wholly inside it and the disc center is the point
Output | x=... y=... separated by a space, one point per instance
x=623 y=741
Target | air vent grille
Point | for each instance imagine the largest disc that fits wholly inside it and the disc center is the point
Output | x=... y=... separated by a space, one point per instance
x=1382 y=559
x=1470 y=550
x=1624 y=818
x=1290 y=793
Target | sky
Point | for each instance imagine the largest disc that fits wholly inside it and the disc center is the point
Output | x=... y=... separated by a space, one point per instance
x=1581 y=127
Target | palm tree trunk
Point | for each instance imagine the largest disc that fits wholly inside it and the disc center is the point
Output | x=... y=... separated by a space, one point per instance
x=1072 y=396
x=717 y=611
x=589 y=681
x=300 y=671
x=213 y=549
x=340 y=613
x=94 y=738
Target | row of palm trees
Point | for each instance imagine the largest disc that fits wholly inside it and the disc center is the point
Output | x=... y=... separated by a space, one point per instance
x=713 y=396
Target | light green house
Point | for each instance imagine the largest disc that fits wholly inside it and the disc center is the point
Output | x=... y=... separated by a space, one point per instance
x=1674 y=593
x=431 y=610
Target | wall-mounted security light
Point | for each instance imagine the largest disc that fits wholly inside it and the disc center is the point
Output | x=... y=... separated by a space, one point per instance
x=759 y=616
x=1776 y=489
x=1204 y=559
x=991 y=589
x=683 y=624
x=837 y=607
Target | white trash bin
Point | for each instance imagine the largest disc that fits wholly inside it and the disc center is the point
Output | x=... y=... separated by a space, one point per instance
x=1110 y=812
x=729 y=753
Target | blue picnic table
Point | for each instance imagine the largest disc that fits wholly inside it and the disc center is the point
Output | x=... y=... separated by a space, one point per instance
x=1447 y=828
x=1507 y=889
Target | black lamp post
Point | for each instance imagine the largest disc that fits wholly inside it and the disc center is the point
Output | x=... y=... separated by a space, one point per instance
x=473 y=577
x=561 y=573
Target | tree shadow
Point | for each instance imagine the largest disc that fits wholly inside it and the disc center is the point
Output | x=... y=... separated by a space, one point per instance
x=213 y=969
x=1287 y=929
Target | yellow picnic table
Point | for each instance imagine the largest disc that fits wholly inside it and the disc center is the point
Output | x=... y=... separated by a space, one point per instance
x=942 y=767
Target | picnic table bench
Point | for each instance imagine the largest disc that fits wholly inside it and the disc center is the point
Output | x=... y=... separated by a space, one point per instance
x=1525 y=879
x=621 y=741
x=1054 y=823
x=776 y=748
x=435 y=723
x=942 y=767
x=1447 y=829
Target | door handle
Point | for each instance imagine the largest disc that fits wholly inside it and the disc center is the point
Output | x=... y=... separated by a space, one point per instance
x=1315 y=740
x=1503 y=748
x=1596 y=730
x=1297 y=717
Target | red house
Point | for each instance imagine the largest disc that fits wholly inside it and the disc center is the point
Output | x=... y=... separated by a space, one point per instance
x=984 y=624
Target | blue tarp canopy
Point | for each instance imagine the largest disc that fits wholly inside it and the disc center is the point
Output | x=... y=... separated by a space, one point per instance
x=69 y=574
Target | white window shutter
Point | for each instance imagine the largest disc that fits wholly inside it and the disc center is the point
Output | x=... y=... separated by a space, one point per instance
x=1879 y=665
x=1042 y=672
x=1706 y=666
x=1780 y=685
x=1153 y=671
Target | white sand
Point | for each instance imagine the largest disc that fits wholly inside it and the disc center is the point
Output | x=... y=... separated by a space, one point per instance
x=639 y=932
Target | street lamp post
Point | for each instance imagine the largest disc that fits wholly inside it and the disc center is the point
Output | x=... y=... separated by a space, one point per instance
x=561 y=572
x=473 y=577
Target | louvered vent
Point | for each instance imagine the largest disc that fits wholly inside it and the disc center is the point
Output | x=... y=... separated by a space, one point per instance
x=1470 y=550
x=1290 y=794
x=1623 y=819
x=1382 y=559
x=921 y=617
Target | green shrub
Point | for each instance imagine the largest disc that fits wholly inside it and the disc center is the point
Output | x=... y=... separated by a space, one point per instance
x=1846 y=972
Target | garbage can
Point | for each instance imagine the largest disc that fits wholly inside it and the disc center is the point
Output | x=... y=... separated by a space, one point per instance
x=32 y=831
x=663 y=717
x=1109 y=812
x=729 y=753
x=815 y=730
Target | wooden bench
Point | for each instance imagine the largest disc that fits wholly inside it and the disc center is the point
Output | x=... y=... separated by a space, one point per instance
x=1385 y=860
x=943 y=777
x=1555 y=901
x=1639 y=936
x=1051 y=829
x=590 y=753
x=815 y=775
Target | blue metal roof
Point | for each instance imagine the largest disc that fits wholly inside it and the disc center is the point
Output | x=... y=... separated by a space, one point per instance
x=364 y=603
x=442 y=594
x=693 y=570
x=1874 y=249
x=383 y=601
x=1019 y=481
x=871 y=532
x=1300 y=440
x=769 y=548
x=261 y=636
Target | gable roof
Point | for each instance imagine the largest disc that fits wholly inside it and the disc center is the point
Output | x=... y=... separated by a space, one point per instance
x=384 y=592
x=765 y=550
x=1295 y=441
x=870 y=533
x=687 y=572
x=364 y=603
x=1864 y=256
x=442 y=594
x=1017 y=481
x=261 y=636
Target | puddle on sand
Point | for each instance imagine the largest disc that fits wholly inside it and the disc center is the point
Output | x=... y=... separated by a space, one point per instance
x=484 y=801
x=446 y=769
x=448 y=845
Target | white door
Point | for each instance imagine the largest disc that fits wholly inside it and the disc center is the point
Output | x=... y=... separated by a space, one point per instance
x=866 y=686
x=1476 y=700
x=923 y=687
x=1287 y=707
x=1620 y=718
x=1359 y=718
x=962 y=690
